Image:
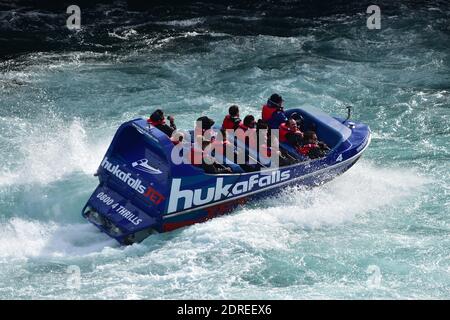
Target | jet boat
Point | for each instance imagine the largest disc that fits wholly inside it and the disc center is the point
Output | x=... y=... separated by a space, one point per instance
x=142 y=191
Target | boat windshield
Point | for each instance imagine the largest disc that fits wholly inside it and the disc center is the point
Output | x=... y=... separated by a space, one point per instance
x=333 y=131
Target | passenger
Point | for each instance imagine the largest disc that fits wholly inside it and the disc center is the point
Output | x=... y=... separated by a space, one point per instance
x=208 y=162
x=225 y=151
x=264 y=144
x=265 y=148
x=290 y=133
x=158 y=120
x=223 y=146
x=283 y=131
x=232 y=120
x=250 y=142
x=205 y=122
x=248 y=123
x=261 y=124
x=273 y=112
x=312 y=147
x=177 y=138
x=300 y=121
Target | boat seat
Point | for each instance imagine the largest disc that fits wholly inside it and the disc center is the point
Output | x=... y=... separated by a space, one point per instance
x=235 y=168
x=283 y=146
x=251 y=152
x=229 y=163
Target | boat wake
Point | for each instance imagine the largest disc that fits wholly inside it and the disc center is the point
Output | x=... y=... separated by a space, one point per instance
x=360 y=190
x=278 y=221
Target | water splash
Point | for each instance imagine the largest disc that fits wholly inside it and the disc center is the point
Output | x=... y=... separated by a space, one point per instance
x=274 y=225
x=23 y=239
x=50 y=151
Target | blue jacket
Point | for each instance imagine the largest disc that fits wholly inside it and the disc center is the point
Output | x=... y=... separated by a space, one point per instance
x=278 y=117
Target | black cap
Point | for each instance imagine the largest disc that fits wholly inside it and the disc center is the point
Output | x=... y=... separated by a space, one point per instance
x=276 y=99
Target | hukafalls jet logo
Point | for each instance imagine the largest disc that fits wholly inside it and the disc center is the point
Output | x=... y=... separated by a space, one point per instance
x=144 y=166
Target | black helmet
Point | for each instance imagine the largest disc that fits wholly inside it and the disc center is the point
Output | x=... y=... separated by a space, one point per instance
x=207 y=123
x=249 y=121
x=261 y=124
x=275 y=100
x=158 y=115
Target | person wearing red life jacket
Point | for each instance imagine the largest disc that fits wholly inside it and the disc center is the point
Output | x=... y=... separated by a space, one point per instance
x=177 y=138
x=225 y=152
x=273 y=112
x=284 y=130
x=223 y=146
x=264 y=145
x=232 y=120
x=248 y=123
x=207 y=161
x=158 y=120
x=290 y=133
x=312 y=148
x=204 y=125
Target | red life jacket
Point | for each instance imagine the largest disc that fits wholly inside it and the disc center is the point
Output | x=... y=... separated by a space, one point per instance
x=228 y=123
x=156 y=123
x=243 y=126
x=305 y=149
x=267 y=112
x=284 y=130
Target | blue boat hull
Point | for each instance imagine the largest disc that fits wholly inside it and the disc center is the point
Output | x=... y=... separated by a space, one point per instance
x=181 y=219
x=141 y=190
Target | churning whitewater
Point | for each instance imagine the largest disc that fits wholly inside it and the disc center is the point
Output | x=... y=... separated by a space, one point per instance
x=381 y=230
